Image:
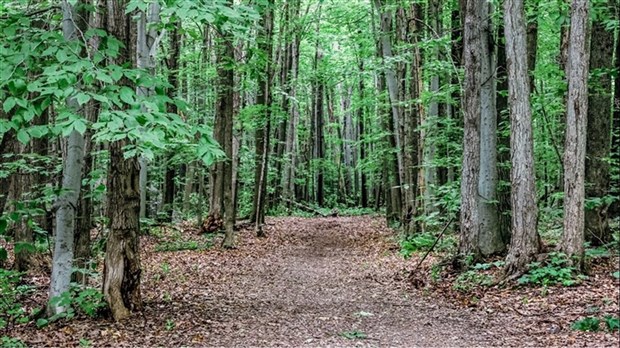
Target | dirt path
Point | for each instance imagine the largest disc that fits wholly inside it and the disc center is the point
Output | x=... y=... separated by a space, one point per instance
x=312 y=283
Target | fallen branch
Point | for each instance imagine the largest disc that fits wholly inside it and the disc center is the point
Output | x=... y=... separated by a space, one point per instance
x=305 y=207
x=433 y=246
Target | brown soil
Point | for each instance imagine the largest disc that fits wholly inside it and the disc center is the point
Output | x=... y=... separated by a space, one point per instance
x=311 y=283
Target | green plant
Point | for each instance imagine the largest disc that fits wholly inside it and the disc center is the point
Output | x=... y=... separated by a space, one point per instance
x=555 y=270
x=355 y=334
x=170 y=325
x=85 y=343
x=423 y=242
x=590 y=324
x=11 y=310
x=183 y=245
x=612 y=323
x=88 y=300
x=468 y=280
x=10 y=342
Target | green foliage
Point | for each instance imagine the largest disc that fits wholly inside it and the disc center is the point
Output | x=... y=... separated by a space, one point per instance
x=85 y=343
x=471 y=279
x=171 y=239
x=612 y=323
x=88 y=301
x=11 y=309
x=555 y=270
x=183 y=245
x=9 y=342
x=170 y=325
x=355 y=334
x=590 y=324
x=423 y=242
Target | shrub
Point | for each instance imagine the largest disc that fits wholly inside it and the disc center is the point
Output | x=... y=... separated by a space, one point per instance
x=555 y=270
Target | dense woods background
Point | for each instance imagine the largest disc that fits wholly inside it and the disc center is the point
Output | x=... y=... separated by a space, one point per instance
x=499 y=120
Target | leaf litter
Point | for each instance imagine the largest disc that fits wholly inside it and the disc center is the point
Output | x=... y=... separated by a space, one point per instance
x=318 y=282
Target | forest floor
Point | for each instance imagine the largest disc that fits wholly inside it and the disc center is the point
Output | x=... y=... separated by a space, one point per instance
x=316 y=282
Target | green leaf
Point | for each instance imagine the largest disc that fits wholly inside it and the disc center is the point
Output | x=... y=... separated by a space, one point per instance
x=24 y=246
x=82 y=98
x=3 y=225
x=23 y=136
x=8 y=104
x=41 y=322
x=79 y=126
x=3 y=254
x=126 y=95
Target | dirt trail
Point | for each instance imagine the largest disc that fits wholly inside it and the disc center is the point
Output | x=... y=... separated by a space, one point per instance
x=321 y=282
x=313 y=282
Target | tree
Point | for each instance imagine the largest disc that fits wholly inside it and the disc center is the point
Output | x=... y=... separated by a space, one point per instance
x=575 y=144
x=263 y=98
x=67 y=203
x=121 y=276
x=490 y=240
x=472 y=45
x=524 y=242
x=598 y=147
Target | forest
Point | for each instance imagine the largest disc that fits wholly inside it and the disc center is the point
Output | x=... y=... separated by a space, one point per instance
x=313 y=173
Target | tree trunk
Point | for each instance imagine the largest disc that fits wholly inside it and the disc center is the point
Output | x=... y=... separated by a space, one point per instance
x=490 y=239
x=525 y=242
x=263 y=131
x=598 y=140
x=121 y=275
x=173 y=79
x=576 y=122
x=472 y=55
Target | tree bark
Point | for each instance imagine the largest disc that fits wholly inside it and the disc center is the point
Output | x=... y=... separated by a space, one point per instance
x=525 y=242
x=470 y=173
x=263 y=131
x=598 y=146
x=490 y=239
x=576 y=122
x=121 y=274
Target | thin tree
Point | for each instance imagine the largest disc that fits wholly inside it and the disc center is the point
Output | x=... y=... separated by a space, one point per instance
x=262 y=132
x=67 y=203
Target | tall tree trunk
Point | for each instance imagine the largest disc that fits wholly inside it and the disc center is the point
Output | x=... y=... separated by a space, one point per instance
x=524 y=243
x=361 y=130
x=121 y=275
x=224 y=114
x=598 y=140
x=84 y=224
x=67 y=203
x=576 y=122
x=263 y=131
x=614 y=209
x=173 y=79
x=470 y=173
x=490 y=239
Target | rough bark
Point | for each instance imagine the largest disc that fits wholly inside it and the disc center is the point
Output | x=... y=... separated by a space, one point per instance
x=490 y=239
x=470 y=172
x=525 y=242
x=576 y=121
x=263 y=131
x=121 y=274
x=598 y=147
x=224 y=114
